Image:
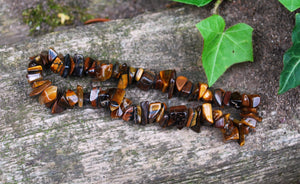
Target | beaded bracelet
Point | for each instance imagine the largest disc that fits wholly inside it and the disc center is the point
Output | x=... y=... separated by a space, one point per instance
x=145 y=112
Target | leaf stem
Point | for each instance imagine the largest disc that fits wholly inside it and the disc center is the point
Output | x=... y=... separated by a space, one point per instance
x=217 y=4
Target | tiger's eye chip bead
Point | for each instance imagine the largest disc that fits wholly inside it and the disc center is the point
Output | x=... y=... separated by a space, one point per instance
x=35 y=69
x=172 y=84
x=145 y=111
x=128 y=113
x=208 y=96
x=245 y=100
x=94 y=96
x=160 y=116
x=104 y=71
x=154 y=110
x=52 y=55
x=226 y=99
x=34 y=77
x=236 y=100
x=207 y=112
x=41 y=88
x=131 y=74
x=123 y=81
x=71 y=97
x=180 y=82
x=202 y=89
x=116 y=99
x=165 y=76
x=138 y=115
x=254 y=100
x=79 y=65
x=139 y=74
x=218 y=96
x=48 y=96
x=146 y=81
x=178 y=116
x=187 y=89
x=80 y=95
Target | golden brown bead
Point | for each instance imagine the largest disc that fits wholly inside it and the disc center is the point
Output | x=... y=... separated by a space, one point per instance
x=158 y=82
x=139 y=74
x=196 y=127
x=56 y=108
x=57 y=65
x=48 y=95
x=165 y=77
x=207 y=112
x=154 y=110
x=63 y=102
x=217 y=114
x=161 y=113
x=202 y=89
x=131 y=74
x=207 y=97
x=38 y=83
x=251 y=122
x=195 y=92
x=80 y=95
x=41 y=88
x=104 y=72
x=145 y=111
x=123 y=81
x=87 y=63
x=241 y=134
x=34 y=77
x=178 y=116
x=71 y=97
x=35 y=69
x=180 y=82
x=116 y=99
x=220 y=123
x=192 y=116
x=246 y=110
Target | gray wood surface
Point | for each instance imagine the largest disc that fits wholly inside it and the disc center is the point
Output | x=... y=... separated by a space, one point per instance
x=86 y=146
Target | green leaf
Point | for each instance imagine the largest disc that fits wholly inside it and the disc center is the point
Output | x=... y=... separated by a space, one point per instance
x=223 y=49
x=195 y=2
x=290 y=75
x=291 y=5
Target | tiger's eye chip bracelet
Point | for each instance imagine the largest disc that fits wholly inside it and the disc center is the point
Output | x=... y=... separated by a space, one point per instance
x=144 y=113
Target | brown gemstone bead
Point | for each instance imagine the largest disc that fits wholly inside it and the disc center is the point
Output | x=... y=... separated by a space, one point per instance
x=103 y=99
x=172 y=84
x=34 y=77
x=178 y=116
x=40 y=89
x=196 y=127
x=52 y=55
x=220 y=123
x=116 y=99
x=254 y=100
x=56 y=108
x=38 y=83
x=246 y=130
x=104 y=72
x=158 y=82
x=63 y=102
x=57 y=65
x=32 y=63
x=138 y=115
x=245 y=100
x=165 y=76
x=35 y=69
x=126 y=102
x=48 y=96
x=117 y=113
x=231 y=132
x=195 y=92
x=192 y=117
x=236 y=100
x=123 y=81
x=71 y=97
x=123 y=68
x=202 y=89
x=37 y=59
x=154 y=110
x=251 y=122
x=92 y=70
x=44 y=58
x=72 y=65
x=116 y=70
x=226 y=99
x=80 y=95
x=128 y=113
x=131 y=74
x=207 y=112
x=164 y=122
x=208 y=96
x=79 y=65
x=87 y=64
x=145 y=111
x=251 y=115
x=246 y=110
x=187 y=89
x=180 y=82
x=146 y=81
x=218 y=96
x=160 y=116
x=217 y=114
x=139 y=74
x=241 y=135
x=94 y=96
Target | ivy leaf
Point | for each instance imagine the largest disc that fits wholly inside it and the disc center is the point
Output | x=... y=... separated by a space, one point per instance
x=223 y=49
x=291 y=5
x=195 y=2
x=290 y=75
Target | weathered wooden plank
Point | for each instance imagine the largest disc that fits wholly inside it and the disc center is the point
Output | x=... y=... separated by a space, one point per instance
x=86 y=146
